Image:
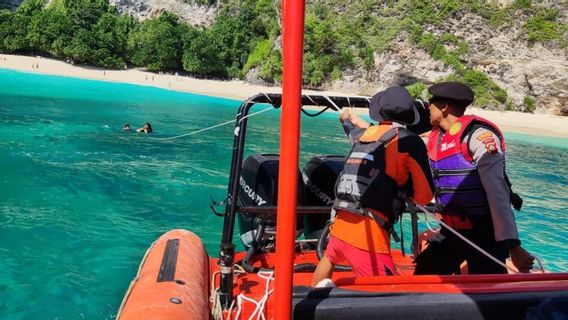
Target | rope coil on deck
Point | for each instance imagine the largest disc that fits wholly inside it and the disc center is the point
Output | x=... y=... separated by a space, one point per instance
x=259 y=310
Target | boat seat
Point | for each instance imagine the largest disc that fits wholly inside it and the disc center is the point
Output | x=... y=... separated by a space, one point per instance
x=336 y=303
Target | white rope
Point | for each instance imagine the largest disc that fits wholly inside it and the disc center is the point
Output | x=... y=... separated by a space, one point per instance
x=467 y=240
x=426 y=213
x=238 y=269
x=212 y=127
x=239 y=307
x=428 y=225
x=230 y=312
x=259 y=309
x=214 y=298
x=267 y=293
x=539 y=263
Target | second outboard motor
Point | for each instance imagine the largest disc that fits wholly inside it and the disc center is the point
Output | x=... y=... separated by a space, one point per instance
x=259 y=188
x=319 y=176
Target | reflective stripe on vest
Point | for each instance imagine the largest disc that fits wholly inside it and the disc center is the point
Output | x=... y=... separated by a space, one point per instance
x=362 y=184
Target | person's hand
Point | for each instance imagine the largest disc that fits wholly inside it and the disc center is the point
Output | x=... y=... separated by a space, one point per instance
x=358 y=121
x=522 y=260
x=344 y=114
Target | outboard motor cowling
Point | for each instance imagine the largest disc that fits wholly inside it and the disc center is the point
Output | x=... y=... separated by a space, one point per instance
x=259 y=188
x=319 y=176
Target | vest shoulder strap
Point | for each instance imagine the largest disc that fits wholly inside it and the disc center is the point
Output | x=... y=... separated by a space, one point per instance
x=385 y=224
x=388 y=136
x=378 y=133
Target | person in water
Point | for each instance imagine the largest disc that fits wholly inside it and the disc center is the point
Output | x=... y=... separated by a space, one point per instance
x=147 y=128
x=385 y=159
x=473 y=194
x=126 y=127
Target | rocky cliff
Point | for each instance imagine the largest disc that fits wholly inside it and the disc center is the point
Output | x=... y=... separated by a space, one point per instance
x=527 y=70
x=521 y=68
x=193 y=13
x=190 y=11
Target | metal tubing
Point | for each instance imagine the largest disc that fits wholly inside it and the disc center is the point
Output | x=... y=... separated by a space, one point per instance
x=226 y=259
x=292 y=35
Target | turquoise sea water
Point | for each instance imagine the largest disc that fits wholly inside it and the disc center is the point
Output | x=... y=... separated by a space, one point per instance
x=81 y=200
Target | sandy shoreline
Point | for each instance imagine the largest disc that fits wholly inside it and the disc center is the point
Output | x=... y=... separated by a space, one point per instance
x=534 y=124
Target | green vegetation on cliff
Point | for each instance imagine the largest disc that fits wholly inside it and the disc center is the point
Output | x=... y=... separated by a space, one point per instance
x=340 y=35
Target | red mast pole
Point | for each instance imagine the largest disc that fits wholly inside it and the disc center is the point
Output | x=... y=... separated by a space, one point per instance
x=293 y=45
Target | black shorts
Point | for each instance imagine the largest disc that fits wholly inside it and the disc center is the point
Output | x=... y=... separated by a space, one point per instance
x=446 y=256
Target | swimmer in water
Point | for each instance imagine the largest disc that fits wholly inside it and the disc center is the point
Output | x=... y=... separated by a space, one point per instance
x=147 y=128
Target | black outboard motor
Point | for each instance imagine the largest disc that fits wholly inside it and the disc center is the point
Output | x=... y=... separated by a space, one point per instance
x=259 y=188
x=319 y=176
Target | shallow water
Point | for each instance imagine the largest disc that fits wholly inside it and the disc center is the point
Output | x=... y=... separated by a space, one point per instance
x=81 y=200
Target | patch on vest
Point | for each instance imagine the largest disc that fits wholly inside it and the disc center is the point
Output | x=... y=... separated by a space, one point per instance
x=490 y=145
x=484 y=135
x=445 y=146
x=455 y=128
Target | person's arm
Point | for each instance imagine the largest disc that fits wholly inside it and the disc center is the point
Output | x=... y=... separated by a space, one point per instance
x=418 y=167
x=352 y=131
x=358 y=121
x=484 y=147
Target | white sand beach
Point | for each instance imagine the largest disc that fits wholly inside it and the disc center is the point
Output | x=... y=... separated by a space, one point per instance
x=534 y=124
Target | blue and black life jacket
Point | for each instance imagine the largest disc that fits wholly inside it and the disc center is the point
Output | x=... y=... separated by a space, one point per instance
x=363 y=184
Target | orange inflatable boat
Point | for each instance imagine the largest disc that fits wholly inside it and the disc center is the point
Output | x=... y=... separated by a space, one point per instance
x=270 y=278
x=177 y=279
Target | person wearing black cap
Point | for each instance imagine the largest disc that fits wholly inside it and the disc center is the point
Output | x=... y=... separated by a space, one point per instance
x=385 y=160
x=473 y=194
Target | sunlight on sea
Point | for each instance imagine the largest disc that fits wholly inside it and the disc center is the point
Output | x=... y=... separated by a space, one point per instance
x=81 y=200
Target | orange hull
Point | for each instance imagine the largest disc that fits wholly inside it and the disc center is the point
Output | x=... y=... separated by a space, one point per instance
x=172 y=282
x=184 y=289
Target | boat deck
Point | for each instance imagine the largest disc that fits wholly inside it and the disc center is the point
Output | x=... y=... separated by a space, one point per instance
x=463 y=290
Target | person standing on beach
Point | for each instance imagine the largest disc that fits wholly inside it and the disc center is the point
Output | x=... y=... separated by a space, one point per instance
x=473 y=194
x=386 y=160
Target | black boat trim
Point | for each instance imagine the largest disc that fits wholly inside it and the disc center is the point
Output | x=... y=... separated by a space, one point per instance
x=336 y=303
x=169 y=261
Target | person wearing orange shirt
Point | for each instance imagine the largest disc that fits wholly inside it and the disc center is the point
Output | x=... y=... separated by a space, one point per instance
x=386 y=160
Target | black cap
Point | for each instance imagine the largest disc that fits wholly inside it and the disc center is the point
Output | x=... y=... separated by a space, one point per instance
x=452 y=91
x=393 y=104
